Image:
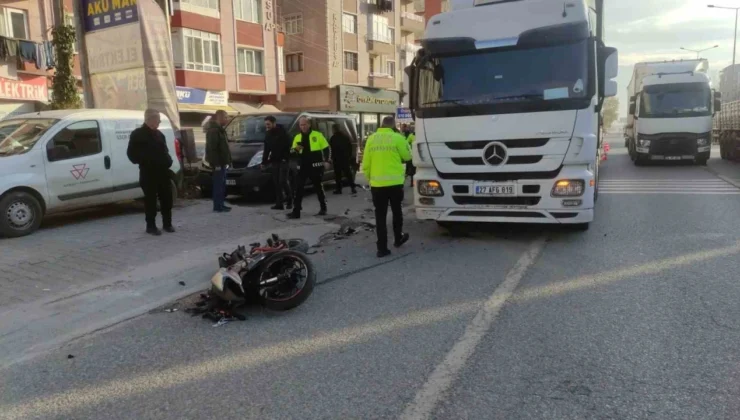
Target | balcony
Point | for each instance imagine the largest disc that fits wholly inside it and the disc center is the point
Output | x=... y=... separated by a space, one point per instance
x=411 y=22
x=382 y=80
x=380 y=46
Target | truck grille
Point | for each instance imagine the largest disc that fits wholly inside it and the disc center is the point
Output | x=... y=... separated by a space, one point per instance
x=513 y=160
x=500 y=176
x=673 y=146
x=480 y=144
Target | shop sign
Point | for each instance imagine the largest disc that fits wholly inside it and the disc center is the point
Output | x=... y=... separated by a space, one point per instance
x=362 y=99
x=270 y=24
x=403 y=114
x=186 y=95
x=25 y=89
x=102 y=14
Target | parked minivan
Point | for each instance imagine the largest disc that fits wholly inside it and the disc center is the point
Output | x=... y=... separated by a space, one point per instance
x=246 y=136
x=55 y=161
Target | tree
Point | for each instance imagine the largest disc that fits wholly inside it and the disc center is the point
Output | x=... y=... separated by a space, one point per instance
x=610 y=111
x=64 y=83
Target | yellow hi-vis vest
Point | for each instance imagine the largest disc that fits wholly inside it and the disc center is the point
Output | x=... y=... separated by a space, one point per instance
x=384 y=158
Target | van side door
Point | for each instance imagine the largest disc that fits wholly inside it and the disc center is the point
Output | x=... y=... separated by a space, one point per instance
x=125 y=175
x=78 y=165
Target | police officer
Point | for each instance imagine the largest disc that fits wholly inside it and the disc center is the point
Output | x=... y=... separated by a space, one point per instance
x=383 y=163
x=147 y=148
x=410 y=137
x=313 y=152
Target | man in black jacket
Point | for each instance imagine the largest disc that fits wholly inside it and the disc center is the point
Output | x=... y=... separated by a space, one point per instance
x=341 y=156
x=277 y=155
x=147 y=148
x=218 y=156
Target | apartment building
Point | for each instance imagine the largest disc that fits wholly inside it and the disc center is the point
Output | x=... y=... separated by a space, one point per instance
x=24 y=86
x=348 y=55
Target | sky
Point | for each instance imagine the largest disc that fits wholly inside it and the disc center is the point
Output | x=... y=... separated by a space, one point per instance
x=652 y=30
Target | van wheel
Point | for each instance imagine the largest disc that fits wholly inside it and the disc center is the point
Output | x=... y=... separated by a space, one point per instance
x=20 y=214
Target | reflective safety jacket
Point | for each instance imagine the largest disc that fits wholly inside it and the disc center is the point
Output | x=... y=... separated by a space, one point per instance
x=384 y=158
x=312 y=156
x=411 y=139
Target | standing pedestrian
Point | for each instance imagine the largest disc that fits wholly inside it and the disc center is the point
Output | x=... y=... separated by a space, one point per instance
x=341 y=156
x=313 y=151
x=383 y=163
x=277 y=156
x=147 y=147
x=410 y=168
x=218 y=156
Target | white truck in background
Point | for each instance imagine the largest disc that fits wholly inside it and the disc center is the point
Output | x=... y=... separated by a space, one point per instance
x=670 y=112
x=507 y=98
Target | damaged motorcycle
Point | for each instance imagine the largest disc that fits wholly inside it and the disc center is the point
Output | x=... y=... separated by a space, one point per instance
x=279 y=274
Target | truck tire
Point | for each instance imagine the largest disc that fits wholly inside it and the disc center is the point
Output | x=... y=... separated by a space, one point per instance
x=20 y=214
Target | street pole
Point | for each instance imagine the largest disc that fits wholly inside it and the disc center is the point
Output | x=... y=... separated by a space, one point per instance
x=734 y=41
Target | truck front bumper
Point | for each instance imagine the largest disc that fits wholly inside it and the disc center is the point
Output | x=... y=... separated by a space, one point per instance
x=532 y=203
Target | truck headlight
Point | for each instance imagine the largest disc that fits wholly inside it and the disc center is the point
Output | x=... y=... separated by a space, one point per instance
x=568 y=188
x=256 y=159
x=644 y=143
x=702 y=142
x=429 y=188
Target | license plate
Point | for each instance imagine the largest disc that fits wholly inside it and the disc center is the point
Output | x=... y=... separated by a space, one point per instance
x=495 y=190
x=673 y=157
x=230 y=182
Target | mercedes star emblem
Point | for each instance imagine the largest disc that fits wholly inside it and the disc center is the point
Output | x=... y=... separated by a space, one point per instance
x=495 y=154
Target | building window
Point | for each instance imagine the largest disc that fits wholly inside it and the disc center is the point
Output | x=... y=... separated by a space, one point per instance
x=281 y=63
x=391 y=36
x=391 y=68
x=13 y=23
x=349 y=23
x=294 y=62
x=350 y=61
x=202 y=51
x=249 y=61
x=293 y=24
x=380 y=30
x=206 y=4
x=248 y=10
x=69 y=20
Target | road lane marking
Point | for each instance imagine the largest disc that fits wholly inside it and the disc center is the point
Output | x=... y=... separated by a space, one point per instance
x=668 y=186
x=446 y=373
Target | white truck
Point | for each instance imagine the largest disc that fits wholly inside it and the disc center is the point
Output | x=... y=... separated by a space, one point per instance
x=670 y=112
x=507 y=97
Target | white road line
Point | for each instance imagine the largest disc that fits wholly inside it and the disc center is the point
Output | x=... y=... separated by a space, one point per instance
x=446 y=372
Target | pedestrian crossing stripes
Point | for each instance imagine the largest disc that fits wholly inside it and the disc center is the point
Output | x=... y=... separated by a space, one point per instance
x=668 y=186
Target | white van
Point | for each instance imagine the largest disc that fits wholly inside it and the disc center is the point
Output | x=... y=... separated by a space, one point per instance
x=54 y=161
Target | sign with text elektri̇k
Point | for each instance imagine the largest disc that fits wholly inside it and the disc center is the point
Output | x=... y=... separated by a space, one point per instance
x=102 y=14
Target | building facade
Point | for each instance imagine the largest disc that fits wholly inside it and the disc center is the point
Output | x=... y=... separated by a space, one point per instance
x=348 y=55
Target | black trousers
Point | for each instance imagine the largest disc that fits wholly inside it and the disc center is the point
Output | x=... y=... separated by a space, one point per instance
x=382 y=197
x=343 y=170
x=316 y=175
x=280 y=177
x=156 y=186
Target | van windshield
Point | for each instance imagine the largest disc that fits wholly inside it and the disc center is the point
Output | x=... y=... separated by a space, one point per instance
x=18 y=136
x=251 y=129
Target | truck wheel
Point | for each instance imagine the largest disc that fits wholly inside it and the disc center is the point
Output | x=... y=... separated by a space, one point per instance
x=20 y=214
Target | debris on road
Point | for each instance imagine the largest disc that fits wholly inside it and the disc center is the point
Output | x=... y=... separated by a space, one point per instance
x=182 y=283
x=70 y=356
x=214 y=309
x=347 y=229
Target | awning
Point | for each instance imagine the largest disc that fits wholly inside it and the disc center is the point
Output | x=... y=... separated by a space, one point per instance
x=246 y=109
x=204 y=109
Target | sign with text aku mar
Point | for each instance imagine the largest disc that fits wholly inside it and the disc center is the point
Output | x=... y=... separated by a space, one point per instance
x=102 y=14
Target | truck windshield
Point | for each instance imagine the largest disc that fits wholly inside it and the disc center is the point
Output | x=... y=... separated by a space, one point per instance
x=676 y=100
x=506 y=80
x=251 y=129
x=18 y=136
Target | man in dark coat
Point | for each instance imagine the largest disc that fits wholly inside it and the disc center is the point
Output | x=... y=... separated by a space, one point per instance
x=218 y=156
x=277 y=155
x=147 y=147
x=341 y=156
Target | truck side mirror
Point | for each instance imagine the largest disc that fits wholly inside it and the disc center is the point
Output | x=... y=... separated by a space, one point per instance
x=409 y=80
x=609 y=64
x=633 y=107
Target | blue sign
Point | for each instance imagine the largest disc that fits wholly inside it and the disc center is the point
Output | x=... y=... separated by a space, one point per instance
x=102 y=14
x=186 y=95
x=403 y=114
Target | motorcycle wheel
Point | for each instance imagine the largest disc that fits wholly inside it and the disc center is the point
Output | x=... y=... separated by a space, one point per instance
x=299 y=280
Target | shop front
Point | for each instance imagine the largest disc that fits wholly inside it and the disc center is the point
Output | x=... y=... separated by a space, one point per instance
x=23 y=95
x=367 y=105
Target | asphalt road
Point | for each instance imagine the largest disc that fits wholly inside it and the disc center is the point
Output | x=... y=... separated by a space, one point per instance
x=636 y=318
